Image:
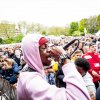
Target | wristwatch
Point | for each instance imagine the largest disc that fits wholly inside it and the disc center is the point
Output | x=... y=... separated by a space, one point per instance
x=62 y=58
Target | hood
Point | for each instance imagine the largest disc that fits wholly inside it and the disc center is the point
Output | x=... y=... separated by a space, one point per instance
x=31 y=55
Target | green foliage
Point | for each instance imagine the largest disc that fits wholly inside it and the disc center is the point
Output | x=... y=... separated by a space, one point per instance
x=78 y=33
x=18 y=38
x=75 y=33
x=82 y=34
x=7 y=30
x=67 y=31
x=92 y=24
x=8 y=41
x=98 y=21
x=56 y=31
x=82 y=25
x=0 y=40
x=44 y=32
x=73 y=27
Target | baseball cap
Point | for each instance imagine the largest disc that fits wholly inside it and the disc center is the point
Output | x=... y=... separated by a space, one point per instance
x=42 y=41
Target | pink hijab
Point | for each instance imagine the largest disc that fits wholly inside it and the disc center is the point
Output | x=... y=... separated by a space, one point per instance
x=30 y=48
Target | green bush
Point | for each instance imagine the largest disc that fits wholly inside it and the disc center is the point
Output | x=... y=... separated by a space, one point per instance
x=0 y=40
x=16 y=39
x=8 y=41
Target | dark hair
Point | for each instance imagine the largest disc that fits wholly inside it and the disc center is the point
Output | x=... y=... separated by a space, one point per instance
x=91 y=44
x=98 y=39
x=0 y=49
x=83 y=63
x=98 y=93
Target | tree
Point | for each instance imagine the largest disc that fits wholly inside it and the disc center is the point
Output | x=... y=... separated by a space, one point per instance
x=23 y=27
x=92 y=24
x=82 y=25
x=44 y=32
x=98 y=21
x=0 y=40
x=56 y=31
x=73 y=27
x=18 y=38
x=30 y=28
x=7 y=41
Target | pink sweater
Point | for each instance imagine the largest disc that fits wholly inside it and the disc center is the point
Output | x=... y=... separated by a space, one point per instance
x=32 y=86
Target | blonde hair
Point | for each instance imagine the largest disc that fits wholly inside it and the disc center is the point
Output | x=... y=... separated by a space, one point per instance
x=8 y=63
x=76 y=52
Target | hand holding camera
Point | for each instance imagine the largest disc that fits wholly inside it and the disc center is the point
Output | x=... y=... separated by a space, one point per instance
x=59 y=54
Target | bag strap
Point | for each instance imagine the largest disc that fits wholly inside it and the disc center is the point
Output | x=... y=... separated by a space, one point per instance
x=28 y=69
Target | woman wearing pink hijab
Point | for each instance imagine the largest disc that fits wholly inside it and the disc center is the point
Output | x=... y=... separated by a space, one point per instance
x=32 y=84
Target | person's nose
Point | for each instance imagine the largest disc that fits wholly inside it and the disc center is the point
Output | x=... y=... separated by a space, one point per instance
x=49 y=49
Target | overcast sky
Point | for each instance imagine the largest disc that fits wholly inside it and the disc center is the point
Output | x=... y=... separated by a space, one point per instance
x=48 y=12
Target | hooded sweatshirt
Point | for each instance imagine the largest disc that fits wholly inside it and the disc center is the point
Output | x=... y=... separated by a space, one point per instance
x=33 y=86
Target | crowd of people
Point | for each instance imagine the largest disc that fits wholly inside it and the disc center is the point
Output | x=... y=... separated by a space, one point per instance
x=42 y=70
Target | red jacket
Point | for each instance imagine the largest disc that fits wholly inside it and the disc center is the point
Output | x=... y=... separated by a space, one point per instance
x=94 y=60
